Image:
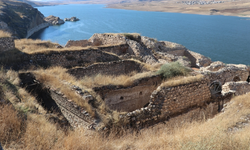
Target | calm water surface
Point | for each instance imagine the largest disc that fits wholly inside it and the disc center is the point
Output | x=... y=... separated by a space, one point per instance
x=223 y=38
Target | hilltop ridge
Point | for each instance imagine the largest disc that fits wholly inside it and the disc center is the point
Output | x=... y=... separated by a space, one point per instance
x=113 y=85
x=20 y=19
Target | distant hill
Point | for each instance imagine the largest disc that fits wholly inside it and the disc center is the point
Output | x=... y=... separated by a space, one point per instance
x=19 y=18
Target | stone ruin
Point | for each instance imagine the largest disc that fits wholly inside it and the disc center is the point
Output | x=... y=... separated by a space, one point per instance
x=143 y=48
x=149 y=100
x=6 y=44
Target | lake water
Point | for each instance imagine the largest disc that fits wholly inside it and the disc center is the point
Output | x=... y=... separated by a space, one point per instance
x=223 y=38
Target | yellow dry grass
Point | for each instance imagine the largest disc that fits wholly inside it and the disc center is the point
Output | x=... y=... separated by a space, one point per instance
x=4 y=34
x=18 y=96
x=31 y=46
x=10 y=124
x=34 y=46
x=210 y=135
x=54 y=77
x=182 y=80
x=35 y=132
x=124 y=80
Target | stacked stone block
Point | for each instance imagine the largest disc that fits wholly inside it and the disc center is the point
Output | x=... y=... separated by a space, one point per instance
x=6 y=44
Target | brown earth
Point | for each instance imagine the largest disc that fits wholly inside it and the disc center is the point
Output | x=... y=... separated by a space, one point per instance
x=228 y=8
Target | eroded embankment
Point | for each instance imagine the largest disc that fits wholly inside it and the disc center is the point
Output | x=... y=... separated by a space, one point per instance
x=53 y=100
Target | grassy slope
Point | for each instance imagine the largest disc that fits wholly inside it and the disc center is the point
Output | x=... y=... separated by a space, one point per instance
x=25 y=126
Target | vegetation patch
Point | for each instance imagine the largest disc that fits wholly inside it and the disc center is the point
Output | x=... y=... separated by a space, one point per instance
x=173 y=69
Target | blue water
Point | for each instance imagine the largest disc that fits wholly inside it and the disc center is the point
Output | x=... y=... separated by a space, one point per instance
x=223 y=38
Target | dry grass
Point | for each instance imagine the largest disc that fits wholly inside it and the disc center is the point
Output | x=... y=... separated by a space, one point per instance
x=31 y=46
x=147 y=67
x=16 y=95
x=210 y=135
x=182 y=80
x=4 y=34
x=34 y=46
x=10 y=124
x=56 y=77
x=40 y=134
x=35 y=132
x=103 y=80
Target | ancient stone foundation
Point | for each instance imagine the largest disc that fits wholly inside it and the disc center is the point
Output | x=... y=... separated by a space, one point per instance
x=6 y=44
x=129 y=98
x=115 y=68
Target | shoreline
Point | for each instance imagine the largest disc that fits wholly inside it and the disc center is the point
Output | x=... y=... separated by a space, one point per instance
x=238 y=9
x=170 y=9
x=194 y=13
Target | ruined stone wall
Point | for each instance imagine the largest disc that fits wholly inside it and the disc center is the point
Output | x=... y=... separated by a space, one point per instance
x=129 y=98
x=173 y=100
x=6 y=44
x=238 y=88
x=81 y=43
x=108 y=39
x=76 y=116
x=228 y=73
x=117 y=49
x=71 y=58
x=179 y=107
x=189 y=100
x=110 y=68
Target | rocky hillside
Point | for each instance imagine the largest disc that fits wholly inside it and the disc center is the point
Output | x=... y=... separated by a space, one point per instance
x=113 y=84
x=20 y=19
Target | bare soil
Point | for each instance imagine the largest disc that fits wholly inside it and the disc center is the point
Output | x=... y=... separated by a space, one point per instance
x=239 y=8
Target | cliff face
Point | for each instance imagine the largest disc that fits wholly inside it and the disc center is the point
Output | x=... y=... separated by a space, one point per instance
x=21 y=19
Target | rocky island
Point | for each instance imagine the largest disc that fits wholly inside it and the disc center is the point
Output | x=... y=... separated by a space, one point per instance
x=53 y=20
x=72 y=19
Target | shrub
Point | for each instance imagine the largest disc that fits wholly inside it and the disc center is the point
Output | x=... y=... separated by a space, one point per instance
x=172 y=70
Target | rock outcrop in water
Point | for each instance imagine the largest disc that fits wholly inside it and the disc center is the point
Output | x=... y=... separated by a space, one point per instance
x=53 y=20
x=20 y=19
x=73 y=19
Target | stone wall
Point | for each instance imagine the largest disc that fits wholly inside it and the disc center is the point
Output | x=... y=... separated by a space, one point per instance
x=110 y=68
x=178 y=104
x=108 y=39
x=6 y=44
x=81 y=43
x=201 y=60
x=121 y=49
x=174 y=100
x=130 y=98
x=229 y=73
x=73 y=58
x=54 y=100
x=238 y=88
x=76 y=116
x=118 y=49
x=65 y=59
